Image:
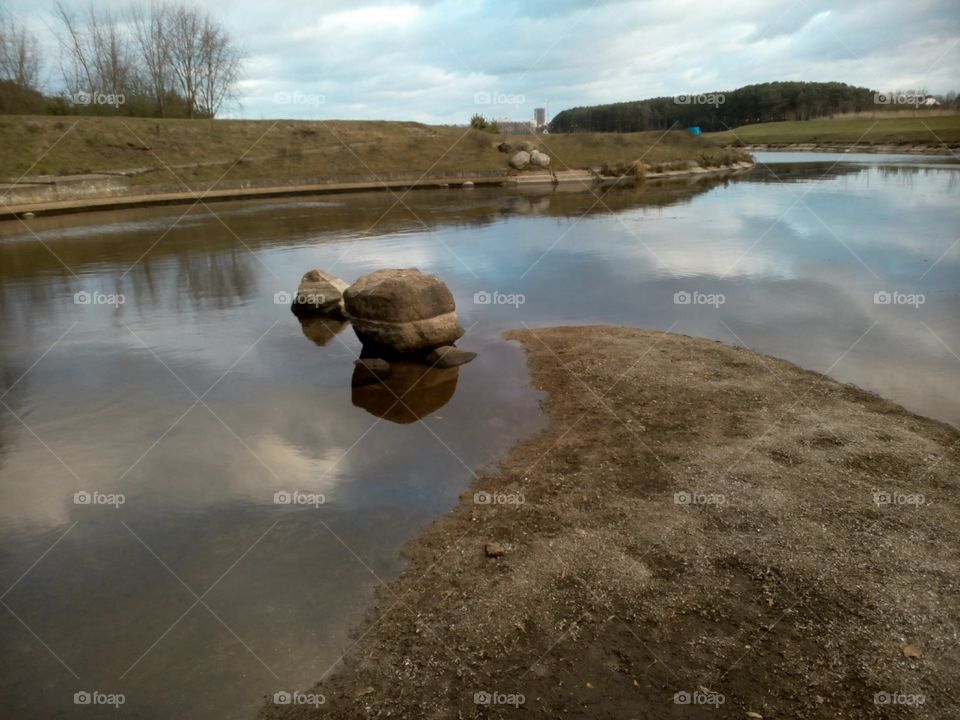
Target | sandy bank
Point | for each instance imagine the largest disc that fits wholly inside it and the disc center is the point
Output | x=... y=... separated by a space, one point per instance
x=697 y=519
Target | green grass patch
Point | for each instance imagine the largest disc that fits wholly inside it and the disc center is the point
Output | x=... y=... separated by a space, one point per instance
x=931 y=130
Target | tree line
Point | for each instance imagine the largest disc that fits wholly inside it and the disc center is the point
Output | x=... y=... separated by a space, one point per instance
x=765 y=102
x=157 y=59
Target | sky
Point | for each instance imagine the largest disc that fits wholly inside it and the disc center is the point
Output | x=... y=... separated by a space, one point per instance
x=440 y=61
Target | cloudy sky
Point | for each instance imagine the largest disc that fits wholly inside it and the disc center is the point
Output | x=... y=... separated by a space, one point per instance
x=442 y=60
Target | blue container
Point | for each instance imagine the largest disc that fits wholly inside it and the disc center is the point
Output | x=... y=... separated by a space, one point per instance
x=695 y=130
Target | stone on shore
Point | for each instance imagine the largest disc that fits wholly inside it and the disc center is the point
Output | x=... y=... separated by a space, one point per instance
x=402 y=310
x=520 y=160
x=321 y=293
x=539 y=159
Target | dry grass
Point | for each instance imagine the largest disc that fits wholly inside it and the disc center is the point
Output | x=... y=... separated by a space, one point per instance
x=201 y=152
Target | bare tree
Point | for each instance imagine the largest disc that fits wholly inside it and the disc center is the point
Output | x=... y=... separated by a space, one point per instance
x=205 y=61
x=152 y=28
x=220 y=60
x=97 y=55
x=19 y=53
x=185 y=54
x=172 y=53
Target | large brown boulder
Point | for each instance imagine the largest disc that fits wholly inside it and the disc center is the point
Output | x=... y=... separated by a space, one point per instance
x=403 y=310
x=319 y=292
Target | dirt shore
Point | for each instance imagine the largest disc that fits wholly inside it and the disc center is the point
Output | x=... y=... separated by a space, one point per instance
x=701 y=531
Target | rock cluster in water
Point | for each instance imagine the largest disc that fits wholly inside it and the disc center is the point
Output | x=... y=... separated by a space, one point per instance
x=398 y=313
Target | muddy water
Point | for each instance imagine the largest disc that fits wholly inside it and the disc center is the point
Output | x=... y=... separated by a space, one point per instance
x=205 y=403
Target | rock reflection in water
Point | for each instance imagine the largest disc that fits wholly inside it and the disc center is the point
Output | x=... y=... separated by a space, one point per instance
x=412 y=391
x=321 y=329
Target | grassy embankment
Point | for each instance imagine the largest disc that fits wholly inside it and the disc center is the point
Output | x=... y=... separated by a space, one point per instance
x=234 y=152
x=933 y=131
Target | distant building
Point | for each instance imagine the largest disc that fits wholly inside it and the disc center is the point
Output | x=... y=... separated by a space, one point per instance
x=539 y=117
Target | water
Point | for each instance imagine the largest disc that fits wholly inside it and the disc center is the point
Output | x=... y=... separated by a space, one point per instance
x=199 y=398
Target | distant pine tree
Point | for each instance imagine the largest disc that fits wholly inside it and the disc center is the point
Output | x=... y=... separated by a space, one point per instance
x=765 y=102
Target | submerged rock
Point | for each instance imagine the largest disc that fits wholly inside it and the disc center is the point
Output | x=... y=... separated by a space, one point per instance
x=321 y=293
x=403 y=310
x=449 y=356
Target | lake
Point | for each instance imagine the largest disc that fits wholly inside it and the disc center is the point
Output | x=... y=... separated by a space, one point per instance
x=161 y=405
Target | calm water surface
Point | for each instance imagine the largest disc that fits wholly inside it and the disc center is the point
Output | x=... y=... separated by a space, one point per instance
x=200 y=397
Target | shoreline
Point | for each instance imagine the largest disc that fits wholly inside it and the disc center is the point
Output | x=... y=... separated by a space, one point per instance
x=869 y=149
x=689 y=534
x=134 y=200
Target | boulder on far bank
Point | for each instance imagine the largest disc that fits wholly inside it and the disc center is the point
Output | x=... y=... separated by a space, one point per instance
x=520 y=160
x=321 y=293
x=405 y=310
x=539 y=159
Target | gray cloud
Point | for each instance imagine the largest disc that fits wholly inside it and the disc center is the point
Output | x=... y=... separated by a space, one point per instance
x=401 y=59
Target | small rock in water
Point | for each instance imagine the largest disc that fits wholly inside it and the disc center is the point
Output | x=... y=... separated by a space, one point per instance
x=448 y=356
x=320 y=292
x=493 y=549
x=370 y=370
